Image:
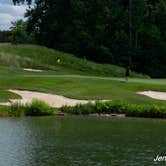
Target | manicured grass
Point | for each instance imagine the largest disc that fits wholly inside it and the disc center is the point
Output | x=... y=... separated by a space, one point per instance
x=4 y=96
x=82 y=87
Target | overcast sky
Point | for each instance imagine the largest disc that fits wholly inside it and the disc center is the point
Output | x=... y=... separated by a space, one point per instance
x=9 y=12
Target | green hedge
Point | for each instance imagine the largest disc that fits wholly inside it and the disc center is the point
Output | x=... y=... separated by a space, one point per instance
x=131 y=110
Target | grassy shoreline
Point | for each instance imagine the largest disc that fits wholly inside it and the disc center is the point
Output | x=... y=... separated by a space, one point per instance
x=99 y=109
x=130 y=110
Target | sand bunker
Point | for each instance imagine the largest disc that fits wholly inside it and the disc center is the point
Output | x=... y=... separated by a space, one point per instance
x=55 y=101
x=154 y=94
x=32 y=70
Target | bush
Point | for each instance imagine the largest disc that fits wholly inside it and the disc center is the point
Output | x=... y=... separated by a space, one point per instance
x=20 y=34
x=131 y=110
x=36 y=108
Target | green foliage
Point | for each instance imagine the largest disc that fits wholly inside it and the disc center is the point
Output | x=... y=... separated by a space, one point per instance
x=39 y=108
x=22 y=1
x=119 y=32
x=19 y=33
x=36 y=108
x=131 y=110
x=4 y=111
x=32 y=56
x=5 y=36
x=16 y=110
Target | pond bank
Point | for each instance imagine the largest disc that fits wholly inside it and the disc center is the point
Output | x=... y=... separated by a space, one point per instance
x=117 y=108
x=98 y=109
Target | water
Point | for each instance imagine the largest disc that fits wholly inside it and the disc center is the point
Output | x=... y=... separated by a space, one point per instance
x=81 y=141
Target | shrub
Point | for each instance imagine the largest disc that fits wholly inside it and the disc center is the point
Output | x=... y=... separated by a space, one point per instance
x=131 y=110
x=38 y=108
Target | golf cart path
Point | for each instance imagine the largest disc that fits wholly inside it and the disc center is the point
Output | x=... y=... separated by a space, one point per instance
x=154 y=94
x=53 y=100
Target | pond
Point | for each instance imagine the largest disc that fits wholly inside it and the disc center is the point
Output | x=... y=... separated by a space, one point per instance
x=81 y=141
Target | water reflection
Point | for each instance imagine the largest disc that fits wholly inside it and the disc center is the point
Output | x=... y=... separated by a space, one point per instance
x=80 y=141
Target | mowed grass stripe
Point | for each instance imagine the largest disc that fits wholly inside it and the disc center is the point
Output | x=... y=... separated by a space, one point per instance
x=86 y=88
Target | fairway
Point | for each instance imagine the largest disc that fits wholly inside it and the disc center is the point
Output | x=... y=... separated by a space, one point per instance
x=79 y=86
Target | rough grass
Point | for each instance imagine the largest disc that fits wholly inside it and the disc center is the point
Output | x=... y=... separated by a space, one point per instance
x=36 y=108
x=4 y=111
x=17 y=110
x=32 y=56
x=130 y=110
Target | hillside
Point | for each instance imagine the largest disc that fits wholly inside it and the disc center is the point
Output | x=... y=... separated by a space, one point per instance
x=32 y=56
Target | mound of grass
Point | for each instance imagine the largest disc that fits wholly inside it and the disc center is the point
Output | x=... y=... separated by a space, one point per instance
x=36 y=108
x=32 y=56
x=131 y=110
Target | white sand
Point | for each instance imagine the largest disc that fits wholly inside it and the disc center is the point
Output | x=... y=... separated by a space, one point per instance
x=5 y=103
x=154 y=94
x=56 y=101
x=32 y=70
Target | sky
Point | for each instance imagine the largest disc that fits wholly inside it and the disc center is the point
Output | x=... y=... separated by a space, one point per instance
x=9 y=13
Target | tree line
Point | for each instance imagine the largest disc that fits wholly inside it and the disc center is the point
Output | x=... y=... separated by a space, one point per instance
x=5 y=36
x=121 y=32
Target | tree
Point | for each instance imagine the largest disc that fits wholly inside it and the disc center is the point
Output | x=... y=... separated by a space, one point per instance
x=5 y=36
x=22 y=1
x=106 y=31
x=19 y=33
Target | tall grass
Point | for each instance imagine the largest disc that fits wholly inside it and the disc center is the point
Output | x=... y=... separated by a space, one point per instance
x=131 y=110
x=36 y=108
x=42 y=57
x=17 y=110
x=40 y=108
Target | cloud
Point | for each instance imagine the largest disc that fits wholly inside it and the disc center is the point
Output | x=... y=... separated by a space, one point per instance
x=13 y=10
x=6 y=1
x=5 y=21
x=9 y=13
